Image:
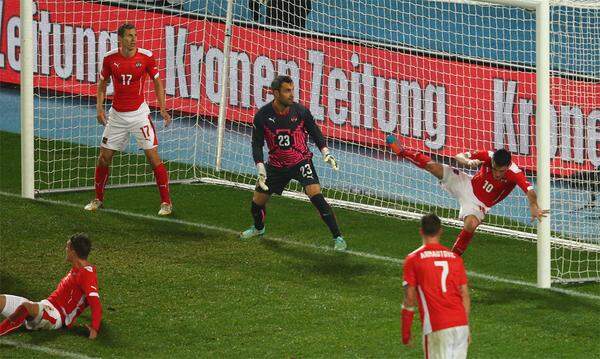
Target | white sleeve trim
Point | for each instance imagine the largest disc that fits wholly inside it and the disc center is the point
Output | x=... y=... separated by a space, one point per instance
x=529 y=188
x=94 y=294
x=156 y=76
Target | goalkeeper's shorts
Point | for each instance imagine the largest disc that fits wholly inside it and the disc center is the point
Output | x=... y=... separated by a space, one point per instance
x=278 y=178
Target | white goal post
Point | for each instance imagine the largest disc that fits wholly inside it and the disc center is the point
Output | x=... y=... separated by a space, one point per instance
x=445 y=76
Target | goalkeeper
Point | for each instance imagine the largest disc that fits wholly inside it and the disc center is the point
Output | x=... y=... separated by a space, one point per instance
x=285 y=126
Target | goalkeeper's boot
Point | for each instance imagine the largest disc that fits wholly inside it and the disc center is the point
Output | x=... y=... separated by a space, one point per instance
x=94 y=205
x=252 y=232
x=339 y=244
x=165 y=209
x=394 y=145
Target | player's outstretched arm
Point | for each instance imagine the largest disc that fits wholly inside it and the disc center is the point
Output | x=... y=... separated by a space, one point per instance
x=534 y=208
x=408 y=312
x=464 y=159
x=160 y=97
x=100 y=96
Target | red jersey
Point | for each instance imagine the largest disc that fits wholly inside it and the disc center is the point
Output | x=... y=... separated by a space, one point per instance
x=128 y=77
x=490 y=191
x=437 y=273
x=77 y=290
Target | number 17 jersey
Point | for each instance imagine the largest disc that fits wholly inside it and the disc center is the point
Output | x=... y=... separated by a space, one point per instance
x=437 y=274
x=129 y=76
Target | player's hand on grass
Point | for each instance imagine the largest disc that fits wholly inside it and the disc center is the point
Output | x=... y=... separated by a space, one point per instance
x=166 y=117
x=537 y=213
x=329 y=159
x=262 y=176
x=93 y=332
x=101 y=117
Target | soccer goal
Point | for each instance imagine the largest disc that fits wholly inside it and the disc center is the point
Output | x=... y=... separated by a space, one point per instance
x=444 y=76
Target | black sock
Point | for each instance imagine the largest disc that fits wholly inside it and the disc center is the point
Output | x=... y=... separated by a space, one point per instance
x=326 y=214
x=258 y=214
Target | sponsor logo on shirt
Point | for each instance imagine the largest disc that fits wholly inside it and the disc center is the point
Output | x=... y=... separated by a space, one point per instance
x=116 y=64
x=272 y=119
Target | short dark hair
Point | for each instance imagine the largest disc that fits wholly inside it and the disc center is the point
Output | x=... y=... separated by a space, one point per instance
x=276 y=84
x=501 y=157
x=81 y=244
x=430 y=224
x=126 y=26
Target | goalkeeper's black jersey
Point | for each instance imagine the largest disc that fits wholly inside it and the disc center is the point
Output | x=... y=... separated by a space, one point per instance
x=286 y=135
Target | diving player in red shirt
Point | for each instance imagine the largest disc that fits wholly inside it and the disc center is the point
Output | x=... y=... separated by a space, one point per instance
x=496 y=178
x=75 y=292
x=436 y=277
x=128 y=67
x=285 y=126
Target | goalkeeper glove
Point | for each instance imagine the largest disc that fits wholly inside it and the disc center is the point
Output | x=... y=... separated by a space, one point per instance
x=262 y=176
x=329 y=159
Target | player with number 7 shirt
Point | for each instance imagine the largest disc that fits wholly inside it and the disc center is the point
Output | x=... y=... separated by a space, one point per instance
x=129 y=66
x=436 y=278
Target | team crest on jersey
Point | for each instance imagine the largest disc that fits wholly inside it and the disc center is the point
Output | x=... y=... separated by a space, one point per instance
x=294 y=119
x=138 y=64
x=104 y=140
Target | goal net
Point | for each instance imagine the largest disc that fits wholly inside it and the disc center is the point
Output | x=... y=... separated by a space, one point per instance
x=443 y=76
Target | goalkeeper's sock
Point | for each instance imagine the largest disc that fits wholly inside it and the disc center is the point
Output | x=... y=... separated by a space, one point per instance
x=162 y=182
x=326 y=214
x=14 y=321
x=462 y=242
x=100 y=180
x=258 y=214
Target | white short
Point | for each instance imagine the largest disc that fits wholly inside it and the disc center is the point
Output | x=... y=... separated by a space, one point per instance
x=123 y=124
x=451 y=343
x=458 y=184
x=48 y=317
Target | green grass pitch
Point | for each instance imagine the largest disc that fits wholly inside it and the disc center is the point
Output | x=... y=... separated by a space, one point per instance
x=188 y=287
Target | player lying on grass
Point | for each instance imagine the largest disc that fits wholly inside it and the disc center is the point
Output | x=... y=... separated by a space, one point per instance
x=436 y=277
x=129 y=66
x=496 y=178
x=75 y=292
x=285 y=126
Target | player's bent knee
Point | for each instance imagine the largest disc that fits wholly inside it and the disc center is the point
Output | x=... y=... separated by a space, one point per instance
x=260 y=198
x=312 y=190
x=471 y=223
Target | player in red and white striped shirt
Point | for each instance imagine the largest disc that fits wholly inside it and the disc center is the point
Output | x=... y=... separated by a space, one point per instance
x=496 y=178
x=75 y=292
x=436 y=278
x=129 y=67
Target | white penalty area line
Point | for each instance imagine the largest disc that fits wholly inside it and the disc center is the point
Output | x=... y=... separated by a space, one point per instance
x=42 y=349
x=388 y=259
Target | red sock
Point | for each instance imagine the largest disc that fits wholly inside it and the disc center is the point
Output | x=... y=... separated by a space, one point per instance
x=462 y=242
x=14 y=320
x=100 y=180
x=162 y=181
x=416 y=157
